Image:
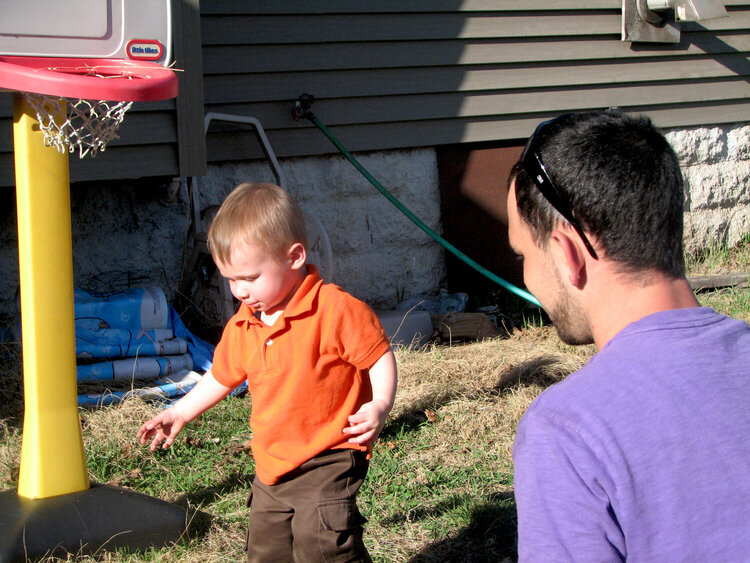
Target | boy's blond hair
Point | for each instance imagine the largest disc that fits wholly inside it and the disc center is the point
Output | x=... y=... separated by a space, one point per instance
x=262 y=215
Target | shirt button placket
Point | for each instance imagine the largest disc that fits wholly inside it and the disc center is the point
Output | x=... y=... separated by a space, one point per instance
x=269 y=353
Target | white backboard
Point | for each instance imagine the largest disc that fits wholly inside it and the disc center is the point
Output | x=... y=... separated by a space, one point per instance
x=102 y=29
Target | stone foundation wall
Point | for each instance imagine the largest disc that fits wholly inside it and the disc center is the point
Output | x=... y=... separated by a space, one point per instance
x=131 y=234
x=716 y=165
x=379 y=255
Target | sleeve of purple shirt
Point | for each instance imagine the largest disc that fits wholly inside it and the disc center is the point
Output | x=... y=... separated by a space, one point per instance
x=564 y=513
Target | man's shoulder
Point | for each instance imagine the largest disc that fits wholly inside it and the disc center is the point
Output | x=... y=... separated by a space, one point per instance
x=577 y=390
x=595 y=387
x=660 y=352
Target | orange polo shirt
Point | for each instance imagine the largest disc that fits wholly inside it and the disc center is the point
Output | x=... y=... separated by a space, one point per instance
x=306 y=374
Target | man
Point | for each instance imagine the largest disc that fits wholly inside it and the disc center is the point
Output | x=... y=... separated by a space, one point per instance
x=643 y=454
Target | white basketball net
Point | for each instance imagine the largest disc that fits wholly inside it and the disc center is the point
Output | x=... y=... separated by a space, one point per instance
x=87 y=126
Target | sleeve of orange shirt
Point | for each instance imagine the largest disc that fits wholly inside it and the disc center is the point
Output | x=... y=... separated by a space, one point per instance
x=362 y=340
x=365 y=344
x=366 y=424
x=227 y=373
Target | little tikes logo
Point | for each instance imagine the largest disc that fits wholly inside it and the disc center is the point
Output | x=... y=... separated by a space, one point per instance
x=145 y=49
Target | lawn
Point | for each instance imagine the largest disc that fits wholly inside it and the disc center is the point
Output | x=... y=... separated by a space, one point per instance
x=440 y=485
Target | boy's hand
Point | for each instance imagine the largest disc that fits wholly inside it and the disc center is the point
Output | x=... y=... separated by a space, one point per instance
x=163 y=428
x=365 y=425
x=167 y=424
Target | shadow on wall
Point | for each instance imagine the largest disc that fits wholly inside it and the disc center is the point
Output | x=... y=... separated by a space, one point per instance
x=707 y=41
x=125 y=234
x=8 y=255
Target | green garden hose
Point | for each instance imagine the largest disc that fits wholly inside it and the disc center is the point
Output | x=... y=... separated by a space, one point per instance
x=302 y=110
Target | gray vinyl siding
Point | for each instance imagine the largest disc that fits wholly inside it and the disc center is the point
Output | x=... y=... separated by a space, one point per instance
x=423 y=73
x=393 y=74
x=147 y=146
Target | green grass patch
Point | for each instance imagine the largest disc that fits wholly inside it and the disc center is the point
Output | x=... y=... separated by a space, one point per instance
x=721 y=260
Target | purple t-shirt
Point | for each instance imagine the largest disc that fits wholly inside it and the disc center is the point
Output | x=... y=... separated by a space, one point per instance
x=643 y=454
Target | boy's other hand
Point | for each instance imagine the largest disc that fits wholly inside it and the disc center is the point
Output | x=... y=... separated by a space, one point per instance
x=366 y=424
x=162 y=428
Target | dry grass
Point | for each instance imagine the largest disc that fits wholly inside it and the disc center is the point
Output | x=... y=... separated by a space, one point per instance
x=719 y=259
x=11 y=406
x=459 y=405
x=11 y=390
x=10 y=454
x=483 y=388
x=439 y=373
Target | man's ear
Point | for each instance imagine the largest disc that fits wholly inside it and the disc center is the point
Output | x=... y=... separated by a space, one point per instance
x=297 y=255
x=570 y=255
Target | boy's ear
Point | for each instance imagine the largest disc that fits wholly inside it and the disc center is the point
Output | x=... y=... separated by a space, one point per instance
x=297 y=255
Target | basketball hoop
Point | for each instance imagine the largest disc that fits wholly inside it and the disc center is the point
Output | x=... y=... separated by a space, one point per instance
x=87 y=126
x=77 y=67
x=80 y=103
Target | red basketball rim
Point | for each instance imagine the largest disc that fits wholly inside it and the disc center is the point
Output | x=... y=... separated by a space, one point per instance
x=90 y=79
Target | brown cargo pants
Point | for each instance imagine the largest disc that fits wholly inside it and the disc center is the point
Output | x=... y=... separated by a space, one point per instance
x=312 y=515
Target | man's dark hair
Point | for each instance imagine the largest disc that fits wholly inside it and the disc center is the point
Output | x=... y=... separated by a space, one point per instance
x=624 y=184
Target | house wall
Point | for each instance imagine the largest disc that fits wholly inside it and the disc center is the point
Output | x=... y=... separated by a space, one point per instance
x=131 y=234
x=716 y=166
x=147 y=146
x=424 y=73
x=378 y=254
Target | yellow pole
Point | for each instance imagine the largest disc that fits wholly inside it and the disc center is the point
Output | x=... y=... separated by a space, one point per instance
x=52 y=456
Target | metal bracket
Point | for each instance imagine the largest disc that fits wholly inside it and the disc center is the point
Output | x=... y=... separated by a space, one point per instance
x=641 y=24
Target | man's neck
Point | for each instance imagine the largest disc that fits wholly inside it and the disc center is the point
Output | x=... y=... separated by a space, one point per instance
x=625 y=299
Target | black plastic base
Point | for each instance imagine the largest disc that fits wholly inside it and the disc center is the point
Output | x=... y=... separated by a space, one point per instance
x=100 y=518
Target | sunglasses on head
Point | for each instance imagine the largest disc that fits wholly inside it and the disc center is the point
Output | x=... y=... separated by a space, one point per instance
x=534 y=167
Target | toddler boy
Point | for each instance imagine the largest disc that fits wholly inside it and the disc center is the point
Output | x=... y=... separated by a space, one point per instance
x=321 y=377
